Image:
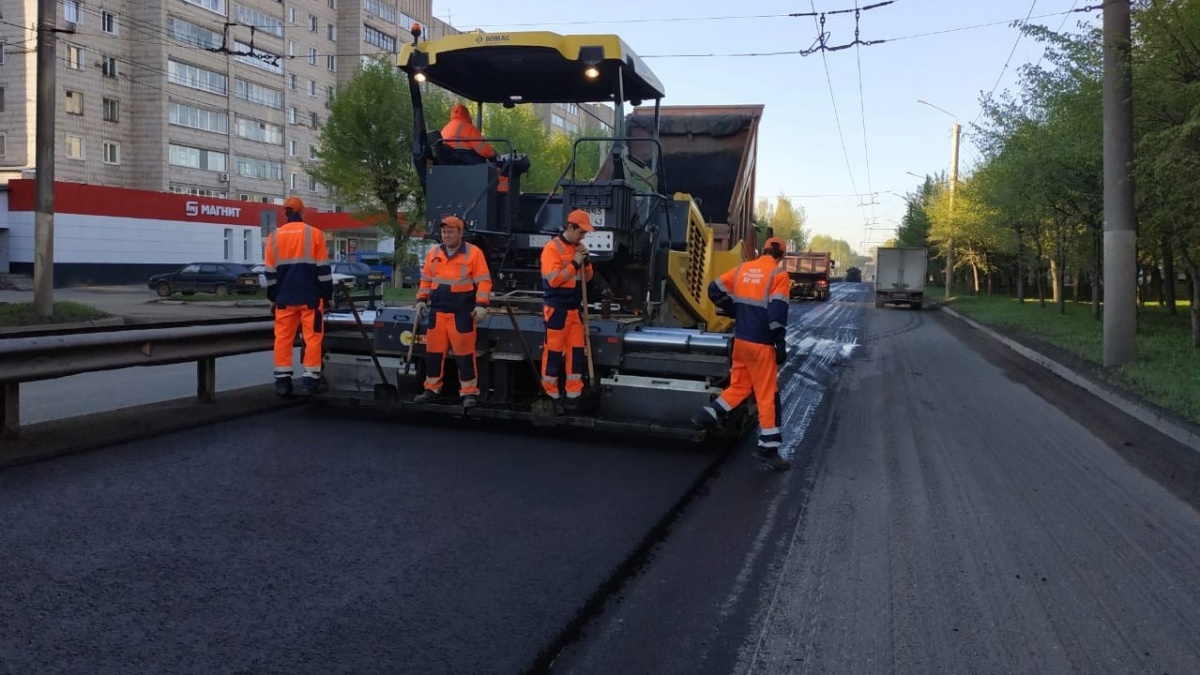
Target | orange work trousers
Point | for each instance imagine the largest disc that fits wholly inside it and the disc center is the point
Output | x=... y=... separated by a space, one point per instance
x=755 y=372
x=287 y=321
x=451 y=334
x=564 y=351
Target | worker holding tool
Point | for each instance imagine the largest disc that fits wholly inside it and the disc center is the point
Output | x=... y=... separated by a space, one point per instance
x=565 y=269
x=755 y=293
x=300 y=287
x=455 y=287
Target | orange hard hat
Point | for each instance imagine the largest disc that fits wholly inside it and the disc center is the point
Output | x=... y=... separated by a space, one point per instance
x=776 y=241
x=293 y=204
x=452 y=221
x=582 y=219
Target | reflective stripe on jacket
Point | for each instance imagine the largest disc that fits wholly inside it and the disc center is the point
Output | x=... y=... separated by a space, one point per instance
x=559 y=274
x=759 y=291
x=297 y=265
x=455 y=283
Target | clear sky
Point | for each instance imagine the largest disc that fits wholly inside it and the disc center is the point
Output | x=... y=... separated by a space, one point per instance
x=848 y=170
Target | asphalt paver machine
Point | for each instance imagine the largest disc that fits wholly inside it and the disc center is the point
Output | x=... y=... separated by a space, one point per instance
x=672 y=207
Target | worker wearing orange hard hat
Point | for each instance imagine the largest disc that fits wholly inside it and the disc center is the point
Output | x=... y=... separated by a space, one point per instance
x=456 y=288
x=300 y=287
x=565 y=268
x=755 y=294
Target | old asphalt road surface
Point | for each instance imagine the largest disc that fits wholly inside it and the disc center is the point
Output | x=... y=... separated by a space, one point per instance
x=958 y=511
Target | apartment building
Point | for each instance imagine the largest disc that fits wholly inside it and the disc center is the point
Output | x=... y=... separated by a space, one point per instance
x=212 y=98
x=571 y=118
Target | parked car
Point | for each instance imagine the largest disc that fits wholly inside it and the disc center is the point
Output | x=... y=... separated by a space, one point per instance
x=220 y=278
x=361 y=272
x=256 y=277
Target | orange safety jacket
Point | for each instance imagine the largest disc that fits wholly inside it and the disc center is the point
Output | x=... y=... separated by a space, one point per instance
x=455 y=283
x=461 y=134
x=758 y=292
x=297 y=266
x=559 y=274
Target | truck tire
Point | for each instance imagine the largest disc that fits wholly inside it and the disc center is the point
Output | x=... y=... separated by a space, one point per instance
x=918 y=306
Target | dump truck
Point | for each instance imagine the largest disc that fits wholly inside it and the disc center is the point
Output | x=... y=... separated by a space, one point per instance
x=809 y=274
x=672 y=206
x=900 y=276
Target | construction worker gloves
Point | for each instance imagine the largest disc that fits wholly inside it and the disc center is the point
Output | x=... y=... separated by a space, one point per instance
x=479 y=313
x=780 y=350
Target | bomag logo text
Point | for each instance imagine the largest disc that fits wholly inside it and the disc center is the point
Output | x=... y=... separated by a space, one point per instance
x=491 y=39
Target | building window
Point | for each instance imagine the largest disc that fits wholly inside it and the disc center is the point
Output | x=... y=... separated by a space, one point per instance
x=312 y=56
x=178 y=189
x=215 y=6
x=312 y=184
x=74 y=103
x=330 y=90
x=379 y=39
x=108 y=22
x=292 y=149
x=197 y=78
x=74 y=147
x=312 y=87
x=312 y=151
x=291 y=115
x=197 y=118
x=292 y=181
x=192 y=34
x=257 y=57
x=382 y=10
x=229 y=243
x=1 y=52
x=314 y=120
x=112 y=152
x=331 y=62
x=257 y=93
x=292 y=48
x=1 y=99
x=74 y=57
x=112 y=110
x=3 y=145
x=247 y=240
x=332 y=4
x=262 y=169
x=198 y=158
x=292 y=81
x=108 y=65
x=263 y=132
x=331 y=32
x=312 y=23
x=264 y=22
x=71 y=11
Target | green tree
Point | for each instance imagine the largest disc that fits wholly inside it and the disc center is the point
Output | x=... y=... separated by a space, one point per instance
x=787 y=222
x=364 y=156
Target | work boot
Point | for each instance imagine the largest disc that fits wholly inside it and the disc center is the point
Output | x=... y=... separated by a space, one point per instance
x=469 y=401
x=708 y=418
x=312 y=385
x=283 y=386
x=770 y=457
x=426 y=396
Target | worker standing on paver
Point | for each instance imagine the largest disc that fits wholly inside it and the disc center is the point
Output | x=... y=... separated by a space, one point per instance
x=565 y=268
x=300 y=287
x=456 y=288
x=755 y=293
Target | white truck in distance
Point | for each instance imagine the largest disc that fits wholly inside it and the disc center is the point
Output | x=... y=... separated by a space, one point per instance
x=900 y=276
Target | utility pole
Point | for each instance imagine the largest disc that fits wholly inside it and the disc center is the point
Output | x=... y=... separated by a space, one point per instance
x=43 y=237
x=954 y=132
x=1120 y=227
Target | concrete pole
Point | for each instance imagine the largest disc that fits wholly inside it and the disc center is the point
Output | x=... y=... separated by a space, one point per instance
x=1120 y=227
x=44 y=144
x=955 y=132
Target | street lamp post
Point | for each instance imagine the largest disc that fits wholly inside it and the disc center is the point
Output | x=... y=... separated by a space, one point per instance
x=955 y=132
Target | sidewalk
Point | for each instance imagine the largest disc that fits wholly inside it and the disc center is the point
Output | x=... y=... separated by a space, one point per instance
x=138 y=304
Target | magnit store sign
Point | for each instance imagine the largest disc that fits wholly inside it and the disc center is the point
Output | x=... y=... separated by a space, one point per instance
x=195 y=208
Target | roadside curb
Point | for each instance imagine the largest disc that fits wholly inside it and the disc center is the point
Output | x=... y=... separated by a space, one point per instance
x=78 y=325
x=1180 y=432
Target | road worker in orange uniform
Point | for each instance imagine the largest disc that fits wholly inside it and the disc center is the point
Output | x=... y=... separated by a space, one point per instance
x=564 y=266
x=462 y=135
x=455 y=287
x=300 y=287
x=756 y=294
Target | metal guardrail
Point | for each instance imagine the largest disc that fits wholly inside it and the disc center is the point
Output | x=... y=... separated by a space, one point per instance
x=44 y=357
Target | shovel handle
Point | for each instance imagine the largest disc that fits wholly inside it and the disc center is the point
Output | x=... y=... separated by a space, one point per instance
x=587 y=330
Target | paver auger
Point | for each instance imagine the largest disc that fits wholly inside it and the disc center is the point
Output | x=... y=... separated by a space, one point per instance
x=672 y=207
